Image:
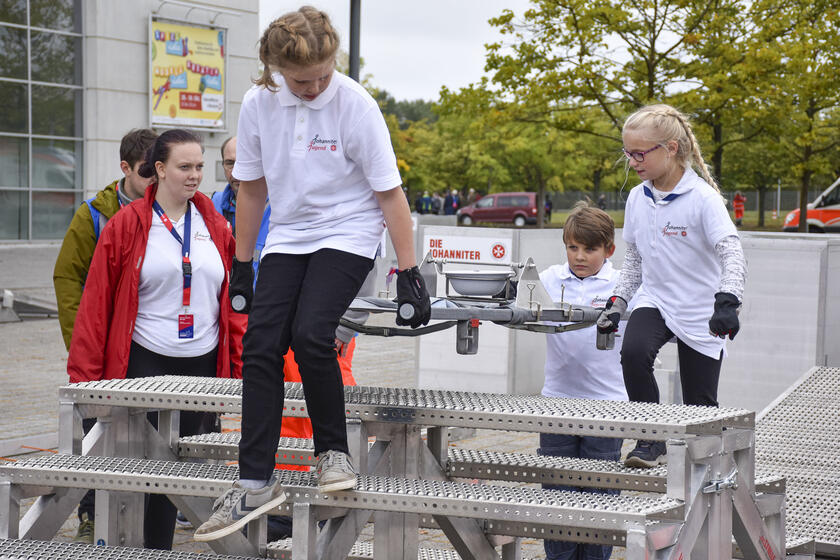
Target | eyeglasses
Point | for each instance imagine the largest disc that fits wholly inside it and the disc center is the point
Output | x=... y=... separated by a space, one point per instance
x=229 y=163
x=639 y=156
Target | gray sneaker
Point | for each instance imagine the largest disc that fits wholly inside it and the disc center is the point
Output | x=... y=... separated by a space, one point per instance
x=335 y=472
x=236 y=507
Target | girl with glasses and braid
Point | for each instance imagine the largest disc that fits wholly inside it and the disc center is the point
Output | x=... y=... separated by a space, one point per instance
x=684 y=264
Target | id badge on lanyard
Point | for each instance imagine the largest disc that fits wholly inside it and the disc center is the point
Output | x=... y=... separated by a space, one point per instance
x=186 y=320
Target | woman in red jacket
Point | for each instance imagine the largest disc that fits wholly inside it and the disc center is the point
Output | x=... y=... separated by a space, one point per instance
x=156 y=297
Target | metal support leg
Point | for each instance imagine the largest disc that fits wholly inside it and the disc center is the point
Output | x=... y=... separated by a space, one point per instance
x=169 y=428
x=512 y=550
x=70 y=431
x=437 y=440
x=304 y=532
x=636 y=544
x=9 y=511
x=357 y=441
x=46 y=516
x=120 y=515
x=396 y=534
x=339 y=534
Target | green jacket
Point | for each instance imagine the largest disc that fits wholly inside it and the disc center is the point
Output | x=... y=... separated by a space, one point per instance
x=73 y=262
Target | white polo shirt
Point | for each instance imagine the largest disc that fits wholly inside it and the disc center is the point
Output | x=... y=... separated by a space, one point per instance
x=574 y=367
x=160 y=291
x=322 y=160
x=676 y=238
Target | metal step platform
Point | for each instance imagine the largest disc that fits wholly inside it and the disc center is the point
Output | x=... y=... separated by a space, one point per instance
x=483 y=465
x=13 y=549
x=282 y=550
x=798 y=436
x=502 y=503
x=428 y=407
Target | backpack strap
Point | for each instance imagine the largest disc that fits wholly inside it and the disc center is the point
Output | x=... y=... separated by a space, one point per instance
x=99 y=220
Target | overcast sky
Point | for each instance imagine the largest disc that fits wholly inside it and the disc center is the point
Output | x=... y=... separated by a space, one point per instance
x=412 y=48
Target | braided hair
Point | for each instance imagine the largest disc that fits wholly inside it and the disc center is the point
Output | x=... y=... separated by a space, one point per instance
x=302 y=38
x=663 y=124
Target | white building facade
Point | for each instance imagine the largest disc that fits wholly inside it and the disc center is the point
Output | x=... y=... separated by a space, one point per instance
x=75 y=77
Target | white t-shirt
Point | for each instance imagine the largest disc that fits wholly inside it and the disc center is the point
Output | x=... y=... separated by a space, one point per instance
x=676 y=239
x=160 y=293
x=574 y=367
x=322 y=160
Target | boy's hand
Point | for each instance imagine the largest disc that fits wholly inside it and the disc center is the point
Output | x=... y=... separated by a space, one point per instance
x=411 y=291
x=724 y=320
x=608 y=319
x=241 y=290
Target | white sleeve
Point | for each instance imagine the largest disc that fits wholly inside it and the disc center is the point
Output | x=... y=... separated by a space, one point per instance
x=369 y=145
x=716 y=220
x=248 y=165
x=628 y=231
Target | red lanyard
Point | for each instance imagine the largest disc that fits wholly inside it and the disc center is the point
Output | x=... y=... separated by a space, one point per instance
x=186 y=267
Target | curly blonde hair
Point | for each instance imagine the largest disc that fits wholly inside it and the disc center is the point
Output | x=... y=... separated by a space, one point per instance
x=664 y=123
x=302 y=38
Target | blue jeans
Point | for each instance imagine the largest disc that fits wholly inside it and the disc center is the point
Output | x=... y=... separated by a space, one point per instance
x=584 y=447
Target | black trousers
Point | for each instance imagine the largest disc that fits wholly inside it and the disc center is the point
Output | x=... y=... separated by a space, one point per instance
x=159 y=526
x=645 y=334
x=298 y=302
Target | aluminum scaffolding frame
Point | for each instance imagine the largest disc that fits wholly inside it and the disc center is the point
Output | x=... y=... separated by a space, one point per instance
x=710 y=495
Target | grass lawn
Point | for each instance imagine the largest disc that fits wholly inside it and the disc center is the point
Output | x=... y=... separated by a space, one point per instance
x=750 y=220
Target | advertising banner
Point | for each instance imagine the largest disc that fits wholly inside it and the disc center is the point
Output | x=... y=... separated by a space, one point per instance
x=187 y=75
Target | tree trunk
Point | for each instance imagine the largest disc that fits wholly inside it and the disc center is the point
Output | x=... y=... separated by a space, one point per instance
x=540 y=199
x=596 y=183
x=762 y=195
x=804 y=187
x=717 y=155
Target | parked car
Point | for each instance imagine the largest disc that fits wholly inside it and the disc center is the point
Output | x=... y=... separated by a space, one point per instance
x=518 y=208
x=823 y=214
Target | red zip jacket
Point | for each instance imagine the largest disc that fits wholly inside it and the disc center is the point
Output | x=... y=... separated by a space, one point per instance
x=105 y=322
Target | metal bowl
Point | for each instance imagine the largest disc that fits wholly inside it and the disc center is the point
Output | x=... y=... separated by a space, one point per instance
x=473 y=283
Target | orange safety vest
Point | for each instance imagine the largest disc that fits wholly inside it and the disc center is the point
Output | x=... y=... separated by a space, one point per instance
x=302 y=427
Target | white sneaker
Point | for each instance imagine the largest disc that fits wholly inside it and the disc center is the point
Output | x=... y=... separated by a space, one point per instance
x=335 y=472
x=238 y=506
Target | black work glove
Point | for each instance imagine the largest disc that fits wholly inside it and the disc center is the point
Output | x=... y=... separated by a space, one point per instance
x=724 y=320
x=411 y=291
x=608 y=319
x=241 y=289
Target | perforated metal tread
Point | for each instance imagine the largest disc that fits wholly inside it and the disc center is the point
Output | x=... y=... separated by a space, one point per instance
x=485 y=465
x=798 y=436
x=13 y=549
x=427 y=407
x=360 y=551
x=577 y=509
x=292 y=451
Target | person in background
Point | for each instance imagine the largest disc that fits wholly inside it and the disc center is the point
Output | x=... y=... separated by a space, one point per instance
x=156 y=297
x=548 y=206
x=315 y=142
x=683 y=262
x=472 y=196
x=738 y=203
x=225 y=200
x=574 y=368
x=73 y=262
x=602 y=201
x=450 y=203
x=437 y=203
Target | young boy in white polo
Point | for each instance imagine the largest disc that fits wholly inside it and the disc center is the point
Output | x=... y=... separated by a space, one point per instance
x=574 y=367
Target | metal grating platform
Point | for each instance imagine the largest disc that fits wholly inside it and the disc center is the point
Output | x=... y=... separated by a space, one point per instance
x=428 y=407
x=360 y=551
x=538 y=507
x=12 y=549
x=485 y=465
x=798 y=436
x=225 y=446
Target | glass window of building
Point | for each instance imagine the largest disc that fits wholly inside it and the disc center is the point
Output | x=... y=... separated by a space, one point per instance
x=41 y=124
